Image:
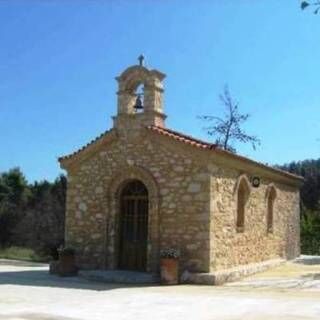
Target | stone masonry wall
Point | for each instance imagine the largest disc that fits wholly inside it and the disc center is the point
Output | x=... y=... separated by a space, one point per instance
x=193 y=206
x=183 y=203
x=230 y=248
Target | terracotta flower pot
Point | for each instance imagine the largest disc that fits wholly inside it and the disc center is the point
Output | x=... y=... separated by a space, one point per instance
x=169 y=270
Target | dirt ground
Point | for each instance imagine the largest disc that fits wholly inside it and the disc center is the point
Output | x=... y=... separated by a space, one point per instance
x=28 y=292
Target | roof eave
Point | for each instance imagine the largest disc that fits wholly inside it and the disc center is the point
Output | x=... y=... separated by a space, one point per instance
x=68 y=161
x=287 y=177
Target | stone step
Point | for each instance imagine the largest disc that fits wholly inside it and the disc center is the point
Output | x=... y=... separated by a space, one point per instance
x=119 y=276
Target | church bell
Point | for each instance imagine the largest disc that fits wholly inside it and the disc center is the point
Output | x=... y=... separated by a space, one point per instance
x=138 y=105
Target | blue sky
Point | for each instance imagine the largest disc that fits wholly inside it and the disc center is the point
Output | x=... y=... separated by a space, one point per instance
x=58 y=60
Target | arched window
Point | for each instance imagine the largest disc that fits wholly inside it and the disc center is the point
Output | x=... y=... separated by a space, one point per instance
x=271 y=197
x=242 y=195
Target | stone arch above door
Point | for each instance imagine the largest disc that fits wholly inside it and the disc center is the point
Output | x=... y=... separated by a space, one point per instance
x=120 y=178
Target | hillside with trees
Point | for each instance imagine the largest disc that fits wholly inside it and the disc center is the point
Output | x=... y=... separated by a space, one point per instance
x=310 y=203
x=32 y=215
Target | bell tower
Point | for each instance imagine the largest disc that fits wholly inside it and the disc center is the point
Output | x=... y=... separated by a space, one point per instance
x=140 y=97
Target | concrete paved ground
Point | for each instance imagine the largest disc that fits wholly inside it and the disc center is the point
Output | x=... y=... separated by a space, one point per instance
x=27 y=292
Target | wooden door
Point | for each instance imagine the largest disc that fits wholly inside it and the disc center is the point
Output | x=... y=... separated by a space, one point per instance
x=133 y=226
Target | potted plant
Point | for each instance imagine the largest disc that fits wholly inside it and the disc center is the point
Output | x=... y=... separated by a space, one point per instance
x=169 y=266
x=67 y=262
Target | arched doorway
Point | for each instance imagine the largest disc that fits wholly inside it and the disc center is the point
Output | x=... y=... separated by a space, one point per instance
x=133 y=226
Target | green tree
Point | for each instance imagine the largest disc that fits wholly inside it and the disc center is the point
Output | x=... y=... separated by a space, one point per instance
x=310 y=191
x=310 y=203
x=14 y=195
x=32 y=215
x=42 y=227
x=310 y=234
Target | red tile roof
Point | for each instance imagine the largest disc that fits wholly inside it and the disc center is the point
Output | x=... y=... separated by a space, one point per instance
x=193 y=142
x=206 y=145
x=93 y=141
x=183 y=138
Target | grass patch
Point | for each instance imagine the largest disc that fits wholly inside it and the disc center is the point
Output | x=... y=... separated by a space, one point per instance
x=20 y=253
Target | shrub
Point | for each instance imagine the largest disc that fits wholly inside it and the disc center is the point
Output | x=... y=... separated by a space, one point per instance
x=66 y=251
x=20 y=253
x=310 y=234
x=170 y=253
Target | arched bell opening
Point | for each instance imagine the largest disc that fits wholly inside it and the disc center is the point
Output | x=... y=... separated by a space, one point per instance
x=139 y=99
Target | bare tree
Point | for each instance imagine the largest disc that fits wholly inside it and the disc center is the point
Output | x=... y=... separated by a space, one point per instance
x=315 y=4
x=228 y=129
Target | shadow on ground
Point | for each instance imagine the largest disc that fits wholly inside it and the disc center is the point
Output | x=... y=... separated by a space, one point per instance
x=38 y=275
x=313 y=276
x=20 y=263
x=33 y=316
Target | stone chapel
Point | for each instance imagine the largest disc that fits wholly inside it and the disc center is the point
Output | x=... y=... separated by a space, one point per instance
x=141 y=187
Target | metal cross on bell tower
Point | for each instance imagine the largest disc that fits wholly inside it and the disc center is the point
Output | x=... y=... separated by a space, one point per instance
x=141 y=60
